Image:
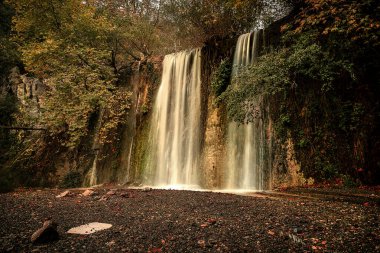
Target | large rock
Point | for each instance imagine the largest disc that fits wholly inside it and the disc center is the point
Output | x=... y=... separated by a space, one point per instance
x=47 y=233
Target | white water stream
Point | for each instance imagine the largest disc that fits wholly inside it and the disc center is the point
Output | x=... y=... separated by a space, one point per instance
x=175 y=130
x=245 y=142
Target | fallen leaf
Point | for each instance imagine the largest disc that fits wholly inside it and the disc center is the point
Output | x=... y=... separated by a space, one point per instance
x=359 y=169
x=211 y=221
x=155 y=250
x=109 y=244
x=314 y=240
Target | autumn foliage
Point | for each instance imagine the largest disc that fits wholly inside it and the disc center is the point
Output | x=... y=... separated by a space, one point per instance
x=356 y=20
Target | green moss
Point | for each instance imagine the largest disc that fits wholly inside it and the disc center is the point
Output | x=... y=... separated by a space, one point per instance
x=303 y=143
x=349 y=182
x=144 y=108
x=141 y=150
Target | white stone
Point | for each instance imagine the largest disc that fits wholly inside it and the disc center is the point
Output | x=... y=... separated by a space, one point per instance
x=89 y=228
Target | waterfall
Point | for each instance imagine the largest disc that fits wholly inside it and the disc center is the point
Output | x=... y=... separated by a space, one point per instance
x=93 y=171
x=92 y=174
x=246 y=142
x=246 y=50
x=175 y=128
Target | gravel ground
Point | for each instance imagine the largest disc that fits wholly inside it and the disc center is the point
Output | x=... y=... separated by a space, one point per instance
x=185 y=221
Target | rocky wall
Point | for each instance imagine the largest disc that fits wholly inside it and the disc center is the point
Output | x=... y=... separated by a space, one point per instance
x=281 y=166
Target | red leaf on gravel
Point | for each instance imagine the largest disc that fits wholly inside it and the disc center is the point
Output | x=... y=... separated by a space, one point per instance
x=366 y=204
x=314 y=240
x=211 y=221
x=155 y=250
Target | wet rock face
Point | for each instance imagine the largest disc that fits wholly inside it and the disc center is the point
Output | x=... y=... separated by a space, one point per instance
x=47 y=233
x=30 y=91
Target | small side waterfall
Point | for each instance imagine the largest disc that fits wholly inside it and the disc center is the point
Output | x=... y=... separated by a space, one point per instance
x=246 y=51
x=246 y=142
x=93 y=171
x=92 y=175
x=175 y=130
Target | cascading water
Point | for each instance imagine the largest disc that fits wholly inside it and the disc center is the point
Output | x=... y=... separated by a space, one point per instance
x=175 y=130
x=245 y=51
x=93 y=172
x=246 y=142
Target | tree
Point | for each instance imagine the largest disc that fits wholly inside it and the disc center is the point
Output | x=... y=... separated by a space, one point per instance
x=69 y=46
x=8 y=50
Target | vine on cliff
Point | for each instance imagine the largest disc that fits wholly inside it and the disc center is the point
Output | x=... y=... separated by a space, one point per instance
x=221 y=78
x=318 y=79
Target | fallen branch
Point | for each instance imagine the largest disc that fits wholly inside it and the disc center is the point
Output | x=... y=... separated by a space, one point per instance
x=23 y=128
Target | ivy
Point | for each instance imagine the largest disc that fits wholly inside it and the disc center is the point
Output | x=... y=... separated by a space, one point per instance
x=283 y=70
x=221 y=77
x=312 y=82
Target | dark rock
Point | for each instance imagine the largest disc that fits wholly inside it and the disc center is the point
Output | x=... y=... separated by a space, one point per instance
x=47 y=233
x=125 y=195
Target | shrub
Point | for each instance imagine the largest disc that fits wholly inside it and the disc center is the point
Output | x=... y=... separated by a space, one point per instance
x=221 y=77
x=71 y=180
x=5 y=185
